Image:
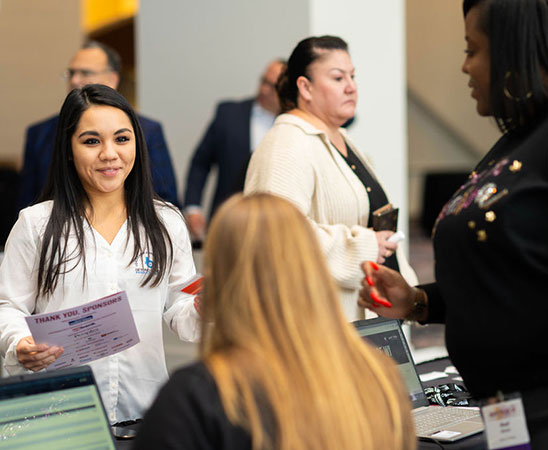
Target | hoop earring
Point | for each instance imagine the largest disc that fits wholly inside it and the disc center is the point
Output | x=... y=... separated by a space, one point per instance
x=507 y=93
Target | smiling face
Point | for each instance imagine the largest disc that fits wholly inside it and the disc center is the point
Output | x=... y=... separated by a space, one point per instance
x=330 y=92
x=477 y=64
x=103 y=150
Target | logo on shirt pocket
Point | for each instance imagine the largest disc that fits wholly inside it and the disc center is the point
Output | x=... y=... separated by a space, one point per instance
x=144 y=264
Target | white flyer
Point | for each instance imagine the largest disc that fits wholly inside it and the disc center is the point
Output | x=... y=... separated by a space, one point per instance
x=87 y=332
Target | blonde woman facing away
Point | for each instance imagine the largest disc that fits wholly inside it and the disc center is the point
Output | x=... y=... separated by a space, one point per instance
x=308 y=159
x=280 y=368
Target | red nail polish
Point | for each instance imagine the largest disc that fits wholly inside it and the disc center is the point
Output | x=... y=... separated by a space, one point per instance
x=369 y=280
x=381 y=301
x=374 y=265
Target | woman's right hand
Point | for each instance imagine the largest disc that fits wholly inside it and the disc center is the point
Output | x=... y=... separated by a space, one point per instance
x=198 y=304
x=36 y=356
x=386 y=285
x=196 y=225
x=386 y=248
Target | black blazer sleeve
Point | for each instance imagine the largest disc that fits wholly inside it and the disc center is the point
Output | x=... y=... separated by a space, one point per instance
x=226 y=145
x=436 y=306
x=39 y=140
x=163 y=176
x=202 y=161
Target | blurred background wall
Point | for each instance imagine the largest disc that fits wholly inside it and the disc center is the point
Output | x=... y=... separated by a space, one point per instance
x=192 y=54
x=37 y=39
x=445 y=135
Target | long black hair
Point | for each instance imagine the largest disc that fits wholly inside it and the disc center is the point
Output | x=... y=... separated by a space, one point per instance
x=518 y=47
x=68 y=214
x=304 y=54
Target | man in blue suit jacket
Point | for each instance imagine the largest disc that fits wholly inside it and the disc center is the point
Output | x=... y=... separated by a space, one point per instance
x=233 y=134
x=93 y=63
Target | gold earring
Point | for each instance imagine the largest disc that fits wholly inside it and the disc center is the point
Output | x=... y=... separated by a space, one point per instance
x=507 y=93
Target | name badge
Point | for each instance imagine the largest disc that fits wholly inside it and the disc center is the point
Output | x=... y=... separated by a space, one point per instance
x=505 y=425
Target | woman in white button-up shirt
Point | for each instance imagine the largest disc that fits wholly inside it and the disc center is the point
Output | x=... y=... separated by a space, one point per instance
x=99 y=229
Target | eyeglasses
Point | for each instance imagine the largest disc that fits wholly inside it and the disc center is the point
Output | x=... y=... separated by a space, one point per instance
x=266 y=82
x=84 y=73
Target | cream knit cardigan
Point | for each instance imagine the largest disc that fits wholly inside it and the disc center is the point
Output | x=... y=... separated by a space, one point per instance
x=296 y=161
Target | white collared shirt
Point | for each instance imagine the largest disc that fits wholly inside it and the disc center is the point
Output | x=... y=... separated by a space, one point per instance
x=261 y=121
x=129 y=380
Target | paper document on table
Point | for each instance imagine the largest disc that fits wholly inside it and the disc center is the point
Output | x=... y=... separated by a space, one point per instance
x=87 y=332
x=432 y=376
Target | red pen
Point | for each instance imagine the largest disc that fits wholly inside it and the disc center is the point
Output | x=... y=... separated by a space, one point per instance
x=380 y=301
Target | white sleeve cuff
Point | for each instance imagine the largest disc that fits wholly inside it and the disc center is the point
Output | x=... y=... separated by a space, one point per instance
x=11 y=364
x=188 y=323
x=192 y=209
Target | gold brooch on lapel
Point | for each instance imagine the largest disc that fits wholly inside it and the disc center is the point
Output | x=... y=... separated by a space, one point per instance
x=515 y=166
x=482 y=235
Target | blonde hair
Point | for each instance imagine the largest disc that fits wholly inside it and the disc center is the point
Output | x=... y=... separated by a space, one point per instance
x=289 y=369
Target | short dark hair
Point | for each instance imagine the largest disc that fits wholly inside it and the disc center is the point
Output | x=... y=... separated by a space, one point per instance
x=518 y=47
x=114 y=61
x=304 y=54
x=64 y=187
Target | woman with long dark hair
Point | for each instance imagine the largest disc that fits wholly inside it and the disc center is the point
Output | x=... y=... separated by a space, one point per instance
x=98 y=229
x=490 y=239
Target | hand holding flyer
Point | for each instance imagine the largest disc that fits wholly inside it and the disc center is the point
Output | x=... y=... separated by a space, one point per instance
x=87 y=332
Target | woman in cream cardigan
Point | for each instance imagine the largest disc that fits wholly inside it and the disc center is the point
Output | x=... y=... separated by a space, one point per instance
x=308 y=159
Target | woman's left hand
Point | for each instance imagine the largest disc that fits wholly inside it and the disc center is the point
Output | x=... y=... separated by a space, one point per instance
x=386 y=248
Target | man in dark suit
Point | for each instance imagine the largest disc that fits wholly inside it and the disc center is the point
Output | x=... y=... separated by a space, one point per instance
x=233 y=134
x=93 y=63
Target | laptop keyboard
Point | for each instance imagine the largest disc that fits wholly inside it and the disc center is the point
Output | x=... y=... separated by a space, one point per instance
x=436 y=418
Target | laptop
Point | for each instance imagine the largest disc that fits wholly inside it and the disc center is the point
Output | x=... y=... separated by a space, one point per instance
x=431 y=422
x=61 y=409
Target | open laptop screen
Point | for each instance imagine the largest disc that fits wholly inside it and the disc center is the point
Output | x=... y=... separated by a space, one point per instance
x=386 y=335
x=60 y=409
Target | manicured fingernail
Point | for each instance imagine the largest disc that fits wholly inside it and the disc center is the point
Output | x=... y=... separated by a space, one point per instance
x=381 y=301
x=374 y=265
x=369 y=280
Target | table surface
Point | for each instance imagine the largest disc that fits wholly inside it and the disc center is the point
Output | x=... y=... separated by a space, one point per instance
x=476 y=442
